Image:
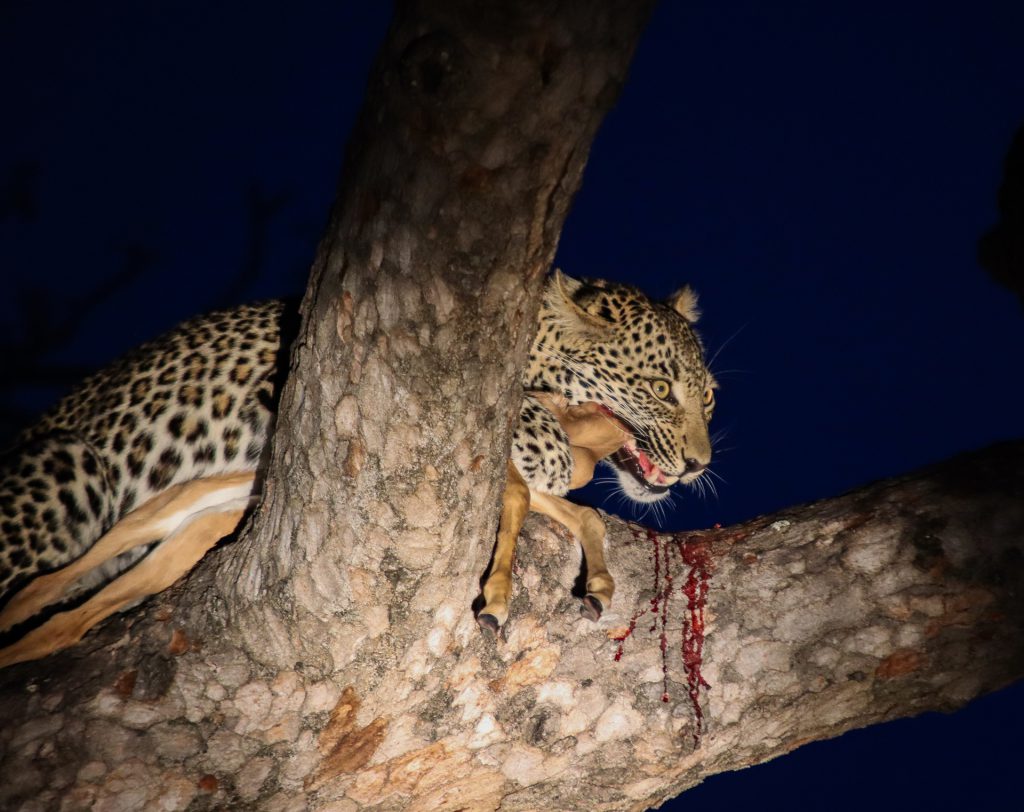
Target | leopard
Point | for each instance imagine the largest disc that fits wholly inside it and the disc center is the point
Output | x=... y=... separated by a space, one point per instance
x=196 y=402
x=639 y=361
x=201 y=401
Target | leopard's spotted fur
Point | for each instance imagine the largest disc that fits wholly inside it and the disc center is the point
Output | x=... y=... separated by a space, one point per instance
x=200 y=401
x=196 y=402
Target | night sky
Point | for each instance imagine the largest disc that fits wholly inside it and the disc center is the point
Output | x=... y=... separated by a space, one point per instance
x=820 y=173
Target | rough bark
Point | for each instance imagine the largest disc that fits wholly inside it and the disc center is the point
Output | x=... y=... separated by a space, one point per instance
x=330 y=659
x=885 y=602
x=394 y=426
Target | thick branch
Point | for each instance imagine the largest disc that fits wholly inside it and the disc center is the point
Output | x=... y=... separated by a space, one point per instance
x=888 y=601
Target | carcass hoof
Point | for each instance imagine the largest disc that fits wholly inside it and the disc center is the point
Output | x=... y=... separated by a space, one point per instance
x=489 y=623
x=591 y=608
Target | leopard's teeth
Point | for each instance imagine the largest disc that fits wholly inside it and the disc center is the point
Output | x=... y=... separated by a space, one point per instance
x=648 y=468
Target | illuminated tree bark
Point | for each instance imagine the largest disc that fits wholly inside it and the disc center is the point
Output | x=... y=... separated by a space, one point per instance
x=329 y=660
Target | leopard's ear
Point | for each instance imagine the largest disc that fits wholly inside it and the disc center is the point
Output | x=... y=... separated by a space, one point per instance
x=684 y=302
x=566 y=285
x=561 y=298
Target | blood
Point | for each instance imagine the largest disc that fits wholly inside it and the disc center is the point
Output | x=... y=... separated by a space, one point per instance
x=640 y=612
x=628 y=633
x=663 y=633
x=694 y=558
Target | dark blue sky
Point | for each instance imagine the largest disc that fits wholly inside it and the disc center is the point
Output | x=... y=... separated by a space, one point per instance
x=819 y=172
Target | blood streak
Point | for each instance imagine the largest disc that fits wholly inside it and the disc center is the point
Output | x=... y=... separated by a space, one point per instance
x=640 y=612
x=627 y=634
x=694 y=558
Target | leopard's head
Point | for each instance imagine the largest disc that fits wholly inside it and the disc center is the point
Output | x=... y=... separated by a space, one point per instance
x=641 y=360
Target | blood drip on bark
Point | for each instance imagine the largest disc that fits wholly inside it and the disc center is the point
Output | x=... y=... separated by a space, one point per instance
x=693 y=557
x=696 y=557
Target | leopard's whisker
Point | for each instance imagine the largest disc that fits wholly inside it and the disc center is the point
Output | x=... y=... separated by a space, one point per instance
x=723 y=345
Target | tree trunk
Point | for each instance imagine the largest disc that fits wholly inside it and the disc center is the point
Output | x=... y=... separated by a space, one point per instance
x=330 y=660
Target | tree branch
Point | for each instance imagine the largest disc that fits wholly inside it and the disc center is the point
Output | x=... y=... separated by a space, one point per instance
x=888 y=601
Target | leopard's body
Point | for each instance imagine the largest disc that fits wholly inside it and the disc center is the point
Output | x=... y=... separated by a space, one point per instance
x=196 y=402
x=200 y=401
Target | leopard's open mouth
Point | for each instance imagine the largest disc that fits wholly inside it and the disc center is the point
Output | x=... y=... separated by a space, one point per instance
x=634 y=460
x=637 y=464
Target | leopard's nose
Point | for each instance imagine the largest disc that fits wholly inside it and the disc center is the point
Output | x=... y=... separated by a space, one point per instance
x=693 y=466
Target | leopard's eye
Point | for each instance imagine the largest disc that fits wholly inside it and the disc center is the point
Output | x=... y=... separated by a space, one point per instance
x=709 y=396
x=661 y=389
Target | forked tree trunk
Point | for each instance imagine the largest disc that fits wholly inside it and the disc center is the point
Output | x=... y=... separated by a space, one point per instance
x=330 y=660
